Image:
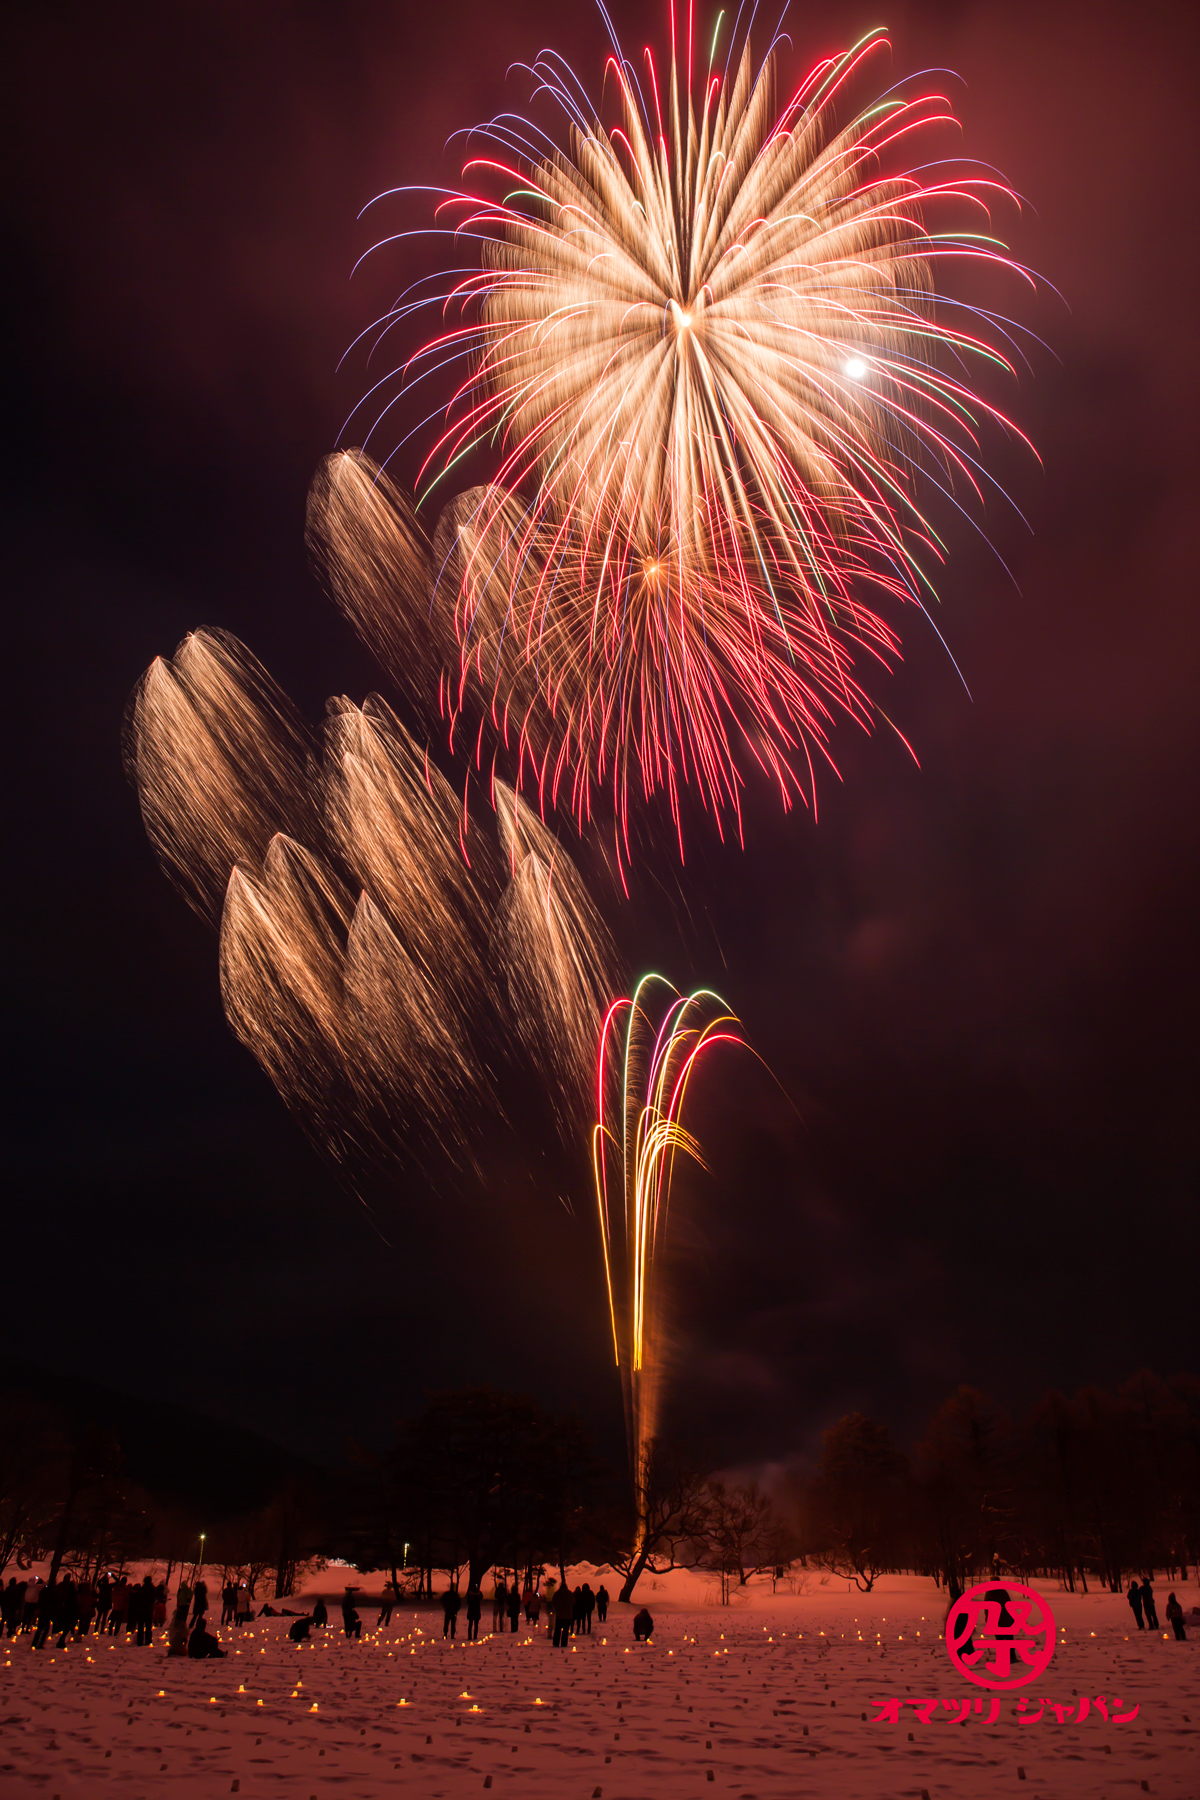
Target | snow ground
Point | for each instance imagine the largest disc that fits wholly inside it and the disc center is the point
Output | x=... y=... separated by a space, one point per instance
x=765 y=1698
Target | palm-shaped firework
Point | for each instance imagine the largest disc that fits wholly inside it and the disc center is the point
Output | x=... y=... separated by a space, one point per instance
x=706 y=340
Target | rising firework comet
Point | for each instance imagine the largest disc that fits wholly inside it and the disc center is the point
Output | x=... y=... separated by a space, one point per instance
x=708 y=343
x=641 y=1091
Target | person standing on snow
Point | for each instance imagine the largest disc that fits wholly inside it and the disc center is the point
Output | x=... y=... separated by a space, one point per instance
x=351 y=1623
x=563 y=1608
x=451 y=1601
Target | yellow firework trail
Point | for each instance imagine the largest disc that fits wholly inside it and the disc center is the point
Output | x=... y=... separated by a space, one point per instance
x=639 y=1131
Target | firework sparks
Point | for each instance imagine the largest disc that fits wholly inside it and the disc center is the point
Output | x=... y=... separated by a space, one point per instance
x=363 y=966
x=365 y=538
x=637 y=1136
x=220 y=761
x=708 y=344
x=396 y=824
x=557 y=959
x=283 y=938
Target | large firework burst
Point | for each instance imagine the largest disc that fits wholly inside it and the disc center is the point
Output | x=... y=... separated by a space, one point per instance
x=708 y=343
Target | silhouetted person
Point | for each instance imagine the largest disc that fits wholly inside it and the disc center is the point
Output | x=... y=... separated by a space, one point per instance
x=11 y=1602
x=243 y=1606
x=514 y=1608
x=228 y=1602
x=999 y=1597
x=177 y=1630
x=200 y=1599
x=643 y=1626
x=499 y=1604
x=386 y=1601
x=202 y=1643
x=66 y=1609
x=1148 y=1606
x=351 y=1623
x=577 y=1608
x=299 y=1630
x=527 y=1602
x=117 y=1606
x=474 y=1611
x=602 y=1603
x=133 y=1608
x=451 y=1601
x=563 y=1606
x=145 y=1615
x=85 y=1606
x=589 y=1607
x=1175 y=1618
x=1134 y=1598
x=45 y=1614
x=33 y=1597
x=1003 y=1596
x=535 y=1608
x=320 y=1615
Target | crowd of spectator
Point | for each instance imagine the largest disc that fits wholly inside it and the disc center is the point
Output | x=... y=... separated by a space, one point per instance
x=119 y=1605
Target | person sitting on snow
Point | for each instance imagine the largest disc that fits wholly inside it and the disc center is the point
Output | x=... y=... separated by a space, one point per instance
x=643 y=1626
x=202 y=1643
x=177 y=1630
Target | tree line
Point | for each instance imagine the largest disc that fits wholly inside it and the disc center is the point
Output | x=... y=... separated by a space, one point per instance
x=1085 y=1489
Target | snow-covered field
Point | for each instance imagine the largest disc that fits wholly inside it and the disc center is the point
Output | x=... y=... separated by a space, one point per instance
x=772 y=1696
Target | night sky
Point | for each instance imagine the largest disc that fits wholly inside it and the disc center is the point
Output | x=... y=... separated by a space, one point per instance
x=975 y=980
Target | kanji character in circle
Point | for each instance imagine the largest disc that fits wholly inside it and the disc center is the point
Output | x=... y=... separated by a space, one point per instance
x=1000 y=1637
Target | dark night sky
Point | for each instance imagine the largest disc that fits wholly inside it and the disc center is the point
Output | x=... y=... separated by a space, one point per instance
x=977 y=980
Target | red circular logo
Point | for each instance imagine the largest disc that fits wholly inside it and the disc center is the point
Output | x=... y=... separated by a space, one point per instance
x=1000 y=1636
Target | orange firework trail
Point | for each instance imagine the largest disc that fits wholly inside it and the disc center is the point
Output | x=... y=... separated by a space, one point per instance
x=707 y=343
x=637 y=1136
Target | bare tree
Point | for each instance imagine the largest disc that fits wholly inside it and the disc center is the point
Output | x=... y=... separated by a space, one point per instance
x=670 y=1516
x=34 y=1464
x=741 y=1535
x=854 y=1501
